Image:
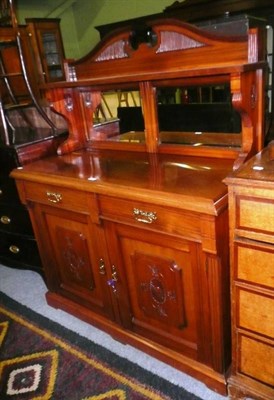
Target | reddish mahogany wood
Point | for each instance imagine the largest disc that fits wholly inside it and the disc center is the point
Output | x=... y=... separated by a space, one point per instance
x=82 y=209
x=134 y=236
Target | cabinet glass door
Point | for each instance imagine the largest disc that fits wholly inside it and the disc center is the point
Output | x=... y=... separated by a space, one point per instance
x=52 y=56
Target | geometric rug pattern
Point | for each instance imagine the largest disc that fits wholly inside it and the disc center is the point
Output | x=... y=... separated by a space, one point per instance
x=41 y=360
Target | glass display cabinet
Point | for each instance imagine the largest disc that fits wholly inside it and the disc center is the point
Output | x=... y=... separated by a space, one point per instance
x=131 y=215
x=48 y=47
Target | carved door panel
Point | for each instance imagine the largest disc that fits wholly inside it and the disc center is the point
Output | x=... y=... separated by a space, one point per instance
x=73 y=251
x=156 y=283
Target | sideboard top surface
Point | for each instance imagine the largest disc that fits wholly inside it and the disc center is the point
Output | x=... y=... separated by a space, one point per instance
x=192 y=183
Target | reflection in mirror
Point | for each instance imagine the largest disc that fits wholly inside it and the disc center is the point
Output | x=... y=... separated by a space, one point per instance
x=119 y=116
x=198 y=115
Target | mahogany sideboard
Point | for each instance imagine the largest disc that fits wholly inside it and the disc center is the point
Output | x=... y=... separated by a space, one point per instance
x=132 y=225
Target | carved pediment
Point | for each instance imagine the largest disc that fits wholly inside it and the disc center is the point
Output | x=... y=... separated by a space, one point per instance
x=171 y=41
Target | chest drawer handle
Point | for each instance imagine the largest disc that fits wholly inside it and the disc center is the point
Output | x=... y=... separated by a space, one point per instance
x=5 y=220
x=146 y=217
x=14 y=249
x=54 y=197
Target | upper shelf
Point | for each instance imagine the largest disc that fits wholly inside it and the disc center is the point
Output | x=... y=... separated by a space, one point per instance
x=190 y=91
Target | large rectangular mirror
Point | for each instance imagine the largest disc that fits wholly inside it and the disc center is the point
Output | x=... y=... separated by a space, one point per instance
x=188 y=114
x=198 y=115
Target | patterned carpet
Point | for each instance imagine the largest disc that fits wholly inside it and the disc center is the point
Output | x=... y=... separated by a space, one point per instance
x=40 y=359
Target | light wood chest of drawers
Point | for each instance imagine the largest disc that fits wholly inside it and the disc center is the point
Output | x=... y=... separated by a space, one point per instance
x=251 y=208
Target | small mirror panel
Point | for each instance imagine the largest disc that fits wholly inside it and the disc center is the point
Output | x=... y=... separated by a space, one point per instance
x=120 y=116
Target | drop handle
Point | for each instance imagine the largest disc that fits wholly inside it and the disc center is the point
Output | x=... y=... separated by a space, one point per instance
x=14 y=249
x=146 y=217
x=54 y=197
x=5 y=220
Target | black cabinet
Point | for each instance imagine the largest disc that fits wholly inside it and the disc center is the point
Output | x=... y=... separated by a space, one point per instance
x=18 y=247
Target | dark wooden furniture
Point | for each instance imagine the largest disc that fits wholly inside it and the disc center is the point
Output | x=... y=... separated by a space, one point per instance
x=18 y=247
x=7 y=13
x=251 y=203
x=132 y=227
x=196 y=11
x=28 y=131
x=48 y=48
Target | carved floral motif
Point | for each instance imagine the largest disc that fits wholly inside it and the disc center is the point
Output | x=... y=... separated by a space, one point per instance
x=115 y=51
x=160 y=293
x=171 y=41
x=75 y=261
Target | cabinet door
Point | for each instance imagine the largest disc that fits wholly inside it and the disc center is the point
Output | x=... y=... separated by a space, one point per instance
x=73 y=249
x=156 y=285
x=49 y=46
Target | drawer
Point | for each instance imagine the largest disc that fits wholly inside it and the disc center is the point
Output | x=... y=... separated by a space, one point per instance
x=256 y=359
x=255 y=264
x=256 y=312
x=8 y=160
x=151 y=216
x=19 y=250
x=8 y=191
x=15 y=219
x=60 y=197
x=255 y=214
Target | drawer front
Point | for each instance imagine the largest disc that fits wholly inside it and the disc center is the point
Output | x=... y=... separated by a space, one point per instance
x=19 y=250
x=256 y=312
x=15 y=219
x=151 y=216
x=256 y=360
x=8 y=160
x=59 y=197
x=255 y=214
x=255 y=264
x=8 y=192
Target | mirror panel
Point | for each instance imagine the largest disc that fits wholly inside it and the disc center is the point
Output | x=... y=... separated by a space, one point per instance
x=120 y=116
x=198 y=115
x=194 y=115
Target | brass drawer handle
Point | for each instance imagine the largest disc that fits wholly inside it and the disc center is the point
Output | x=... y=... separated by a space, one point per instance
x=54 y=197
x=14 y=249
x=5 y=219
x=146 y=217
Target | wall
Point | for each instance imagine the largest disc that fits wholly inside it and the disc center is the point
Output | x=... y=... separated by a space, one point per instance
x=79 y=17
